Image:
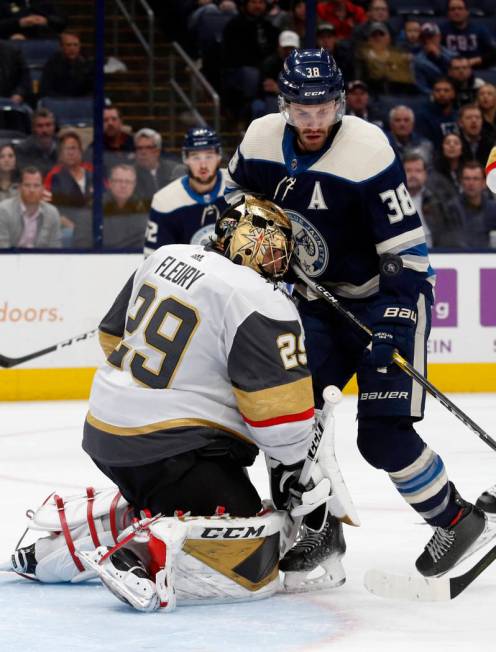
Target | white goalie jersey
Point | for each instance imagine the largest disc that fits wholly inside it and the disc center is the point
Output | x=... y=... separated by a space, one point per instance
x=200 y=350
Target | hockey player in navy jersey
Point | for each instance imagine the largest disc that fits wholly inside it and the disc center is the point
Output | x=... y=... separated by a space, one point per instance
x=185 y=210
x=341 y=183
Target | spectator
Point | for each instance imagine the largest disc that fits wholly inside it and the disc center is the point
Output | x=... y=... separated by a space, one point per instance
x=402 y=136
x=449 y=160
x=249 y=38
x=476 y=144
x=466 y=38
x=433 y=59
x=438 y=117
x=153 y=172
x=377 y=12
x=29 y=19
x=15 y=81
x=205 y=26
x=343 y=14
x=9 y=173
x=71 y=185
x=440 y=216
x=39 y=149
x=67 y=73
x=26 y=221
x=118 y=145
x=124 y=215
x=486 y=100
x=409 y=38
x=479 y=212
x=385 y=68
x=358 y=103
x=271 y=67
x=327 y=39
x=294 y=20
x=466 y=84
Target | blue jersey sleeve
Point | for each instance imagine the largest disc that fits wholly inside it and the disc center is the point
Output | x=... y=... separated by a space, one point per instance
x=397 y=229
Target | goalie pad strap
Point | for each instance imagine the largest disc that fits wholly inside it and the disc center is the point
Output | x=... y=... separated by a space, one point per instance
x=67 y=533
x=113 y=516
x=90 y=493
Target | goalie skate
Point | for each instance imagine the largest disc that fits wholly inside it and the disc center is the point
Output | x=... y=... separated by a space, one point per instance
x=315 y=561
x=125 y=576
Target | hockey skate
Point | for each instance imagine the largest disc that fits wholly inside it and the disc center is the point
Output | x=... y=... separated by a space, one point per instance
x=487 y=502
x=23 y=561
x=314 y=563
x=125 y=575
x=451 y=545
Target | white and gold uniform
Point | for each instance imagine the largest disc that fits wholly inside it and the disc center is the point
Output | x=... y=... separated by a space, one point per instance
x=200 y=350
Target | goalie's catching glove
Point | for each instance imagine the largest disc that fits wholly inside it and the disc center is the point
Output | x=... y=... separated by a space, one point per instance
x=393 y=329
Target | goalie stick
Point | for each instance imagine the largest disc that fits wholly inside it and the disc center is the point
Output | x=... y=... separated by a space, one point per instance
x=425 y=589
x=7 y=363
x=399 y=360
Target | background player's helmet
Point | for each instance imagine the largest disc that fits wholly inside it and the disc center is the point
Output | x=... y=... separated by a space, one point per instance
x=198 y=138
x=311 y=77
x=258 y=234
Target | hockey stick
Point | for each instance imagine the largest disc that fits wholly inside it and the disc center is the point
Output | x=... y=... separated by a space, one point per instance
x=403 y=364
x=409 y=587
x=6 y=362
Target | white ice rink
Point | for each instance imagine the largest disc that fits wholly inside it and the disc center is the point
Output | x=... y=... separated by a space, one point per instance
x=40 y=452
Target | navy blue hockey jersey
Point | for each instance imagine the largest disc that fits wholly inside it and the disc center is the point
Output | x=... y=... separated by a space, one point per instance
x=348 y=203
x=179 y=215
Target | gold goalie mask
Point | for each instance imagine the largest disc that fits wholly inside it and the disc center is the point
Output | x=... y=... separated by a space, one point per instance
x=256 y=233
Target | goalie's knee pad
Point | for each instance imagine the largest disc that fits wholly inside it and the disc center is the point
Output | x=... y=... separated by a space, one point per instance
x=388 y=443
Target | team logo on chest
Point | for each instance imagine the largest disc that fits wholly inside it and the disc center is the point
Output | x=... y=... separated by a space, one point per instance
x=310 y=247
x=203 y=235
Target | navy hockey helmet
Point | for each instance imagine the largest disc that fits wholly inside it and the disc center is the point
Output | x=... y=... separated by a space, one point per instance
x=311 y=76
x=198 y=138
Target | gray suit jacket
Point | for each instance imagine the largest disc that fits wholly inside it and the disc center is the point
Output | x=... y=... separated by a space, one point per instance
x=11 y=225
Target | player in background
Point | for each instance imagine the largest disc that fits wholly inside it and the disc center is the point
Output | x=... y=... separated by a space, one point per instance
x=343 y=187
x=185 y=210
x=205 y=366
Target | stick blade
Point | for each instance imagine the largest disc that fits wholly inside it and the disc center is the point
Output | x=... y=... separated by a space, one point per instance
x=6 y=363
x=407 y=587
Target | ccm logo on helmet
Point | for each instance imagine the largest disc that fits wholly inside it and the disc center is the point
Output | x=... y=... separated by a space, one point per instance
x=232 y=532
x=313 y=93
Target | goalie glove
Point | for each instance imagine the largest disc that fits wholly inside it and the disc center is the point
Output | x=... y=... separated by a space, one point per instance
x=288 y=494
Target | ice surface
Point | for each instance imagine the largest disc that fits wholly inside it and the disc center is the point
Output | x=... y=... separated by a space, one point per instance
x=40 y=452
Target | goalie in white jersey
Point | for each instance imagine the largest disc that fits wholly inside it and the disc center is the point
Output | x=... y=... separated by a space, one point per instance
x=205 y=365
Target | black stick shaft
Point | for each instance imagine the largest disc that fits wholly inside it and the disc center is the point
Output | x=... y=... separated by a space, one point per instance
x=6 y=362
x=323 y=292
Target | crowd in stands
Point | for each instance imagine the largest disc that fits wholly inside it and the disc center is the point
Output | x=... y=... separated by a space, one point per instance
x=423 y=72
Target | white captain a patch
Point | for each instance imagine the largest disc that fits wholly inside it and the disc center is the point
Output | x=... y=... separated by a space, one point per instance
x=310 y=247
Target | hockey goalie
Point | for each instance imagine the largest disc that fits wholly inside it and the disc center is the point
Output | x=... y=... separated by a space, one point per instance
x=205 y=367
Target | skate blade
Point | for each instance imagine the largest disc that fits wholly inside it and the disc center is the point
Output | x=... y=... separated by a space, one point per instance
x=328 y=575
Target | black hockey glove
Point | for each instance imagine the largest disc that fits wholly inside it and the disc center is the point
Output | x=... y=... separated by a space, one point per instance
x=392 y=329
